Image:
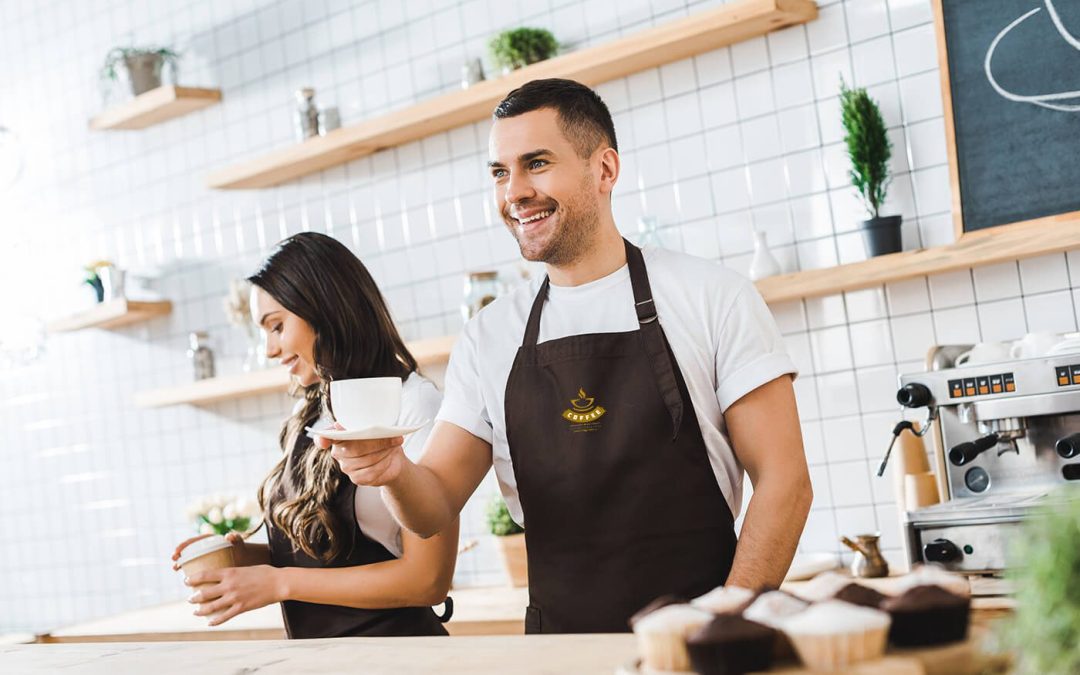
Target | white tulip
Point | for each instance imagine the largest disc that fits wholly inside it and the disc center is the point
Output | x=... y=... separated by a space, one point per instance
x=229 y=512
x=214 y=516
x=206 y=528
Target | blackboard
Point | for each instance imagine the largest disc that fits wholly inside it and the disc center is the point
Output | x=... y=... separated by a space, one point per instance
x=1013 y=82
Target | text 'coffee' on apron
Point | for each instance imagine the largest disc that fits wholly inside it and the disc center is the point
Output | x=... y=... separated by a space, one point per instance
x=620 y=501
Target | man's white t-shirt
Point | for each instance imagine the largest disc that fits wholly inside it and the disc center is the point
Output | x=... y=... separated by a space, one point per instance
x=720 y=330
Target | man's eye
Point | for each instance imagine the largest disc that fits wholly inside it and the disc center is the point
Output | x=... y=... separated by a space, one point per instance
x=498 y=173
x=537 y=163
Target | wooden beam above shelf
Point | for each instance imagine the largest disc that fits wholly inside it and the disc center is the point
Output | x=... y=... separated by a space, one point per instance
x=680 y=39
x=985 y=247
x=427 y=352
x=155 y=106
x=111 y=314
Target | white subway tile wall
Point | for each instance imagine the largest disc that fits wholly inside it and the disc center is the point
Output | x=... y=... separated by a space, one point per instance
x=93 y=490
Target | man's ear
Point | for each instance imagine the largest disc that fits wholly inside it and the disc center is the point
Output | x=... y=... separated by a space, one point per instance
x=609 y=169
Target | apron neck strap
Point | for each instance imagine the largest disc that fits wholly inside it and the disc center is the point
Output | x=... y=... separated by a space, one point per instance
x=639 y=280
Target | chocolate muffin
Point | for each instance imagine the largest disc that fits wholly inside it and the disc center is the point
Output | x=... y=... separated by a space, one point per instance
x=857 y=594
x=927 y=615
x=731 y=645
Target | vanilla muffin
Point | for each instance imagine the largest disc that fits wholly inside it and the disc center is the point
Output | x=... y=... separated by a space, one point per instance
x=724 y=600
x=661 y=635
x=772 y=607
x=823 y=586
x=832 y=634
x=932 y=575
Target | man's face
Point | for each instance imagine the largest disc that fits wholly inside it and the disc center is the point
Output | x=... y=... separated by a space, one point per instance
x=546 y=193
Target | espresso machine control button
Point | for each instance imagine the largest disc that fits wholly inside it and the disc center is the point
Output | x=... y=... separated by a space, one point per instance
x=1069 y=446
x=914 y=395
x=942 y=551
x=965 y=452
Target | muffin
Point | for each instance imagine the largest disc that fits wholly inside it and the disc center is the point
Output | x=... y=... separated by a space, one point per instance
x=724 y=600
x=772 y=607
x=661 y=635
x=832 y=634
x=823 y=586
x=857 y=594
x=731 y=645
x=662 y=601
x=927 y=615
x=932 y=575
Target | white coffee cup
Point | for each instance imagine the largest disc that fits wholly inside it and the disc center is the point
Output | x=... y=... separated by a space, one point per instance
x=1069 y=345
x=366 y=402
x=1033 y=345
x=984 y=352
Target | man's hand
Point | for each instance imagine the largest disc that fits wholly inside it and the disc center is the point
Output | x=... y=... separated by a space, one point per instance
x=375 y=462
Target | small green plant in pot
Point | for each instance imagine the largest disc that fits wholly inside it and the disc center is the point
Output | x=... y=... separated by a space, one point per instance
x=143 y=65
x=511 y=540
x=513 y=49
x=1044 y=633
x=869 y=149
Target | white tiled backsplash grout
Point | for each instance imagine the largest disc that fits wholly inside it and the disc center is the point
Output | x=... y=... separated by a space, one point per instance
x=93 y=490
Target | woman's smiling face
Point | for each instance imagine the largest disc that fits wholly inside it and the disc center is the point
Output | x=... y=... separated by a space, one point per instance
x=289 y=338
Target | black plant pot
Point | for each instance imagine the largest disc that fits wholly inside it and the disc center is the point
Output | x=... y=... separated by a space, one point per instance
x=882 y=235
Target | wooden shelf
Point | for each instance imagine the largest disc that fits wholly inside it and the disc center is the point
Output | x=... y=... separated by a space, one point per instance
x=111 y=314
x=427 y=352
x=1039 y=237
x=701 y=32
x=155 y=106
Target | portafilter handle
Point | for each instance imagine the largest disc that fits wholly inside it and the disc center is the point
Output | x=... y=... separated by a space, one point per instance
x=964 y=453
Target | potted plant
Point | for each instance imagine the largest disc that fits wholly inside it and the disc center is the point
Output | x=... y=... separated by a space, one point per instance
x=511 y=539
x=513 y=49
x=143 y=66
x=1045 y=566
x=869 y=149
x=220 y=514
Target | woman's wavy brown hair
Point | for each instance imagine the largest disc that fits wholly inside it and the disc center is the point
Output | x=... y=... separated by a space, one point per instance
x=317 y=278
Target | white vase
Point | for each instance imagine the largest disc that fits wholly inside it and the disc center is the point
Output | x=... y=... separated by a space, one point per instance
x=764 y=263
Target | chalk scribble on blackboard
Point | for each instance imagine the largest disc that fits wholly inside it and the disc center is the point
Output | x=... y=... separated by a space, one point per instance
x=1056 y=101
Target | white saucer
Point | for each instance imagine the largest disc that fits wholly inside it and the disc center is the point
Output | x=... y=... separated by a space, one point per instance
x=366 y=434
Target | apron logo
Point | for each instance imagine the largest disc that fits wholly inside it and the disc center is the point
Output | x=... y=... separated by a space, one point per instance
x=583 y=412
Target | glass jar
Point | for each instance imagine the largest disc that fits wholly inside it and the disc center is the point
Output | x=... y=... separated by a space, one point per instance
x=481 y=288
x=202 y=359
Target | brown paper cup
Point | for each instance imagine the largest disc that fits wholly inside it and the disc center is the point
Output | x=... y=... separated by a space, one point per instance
x=214 y=560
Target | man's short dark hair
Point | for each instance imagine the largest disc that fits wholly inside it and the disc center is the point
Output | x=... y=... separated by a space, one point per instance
x=583 y=116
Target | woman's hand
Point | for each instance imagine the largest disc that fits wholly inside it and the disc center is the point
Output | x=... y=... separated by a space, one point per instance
x=234 y=538
x=222 y=594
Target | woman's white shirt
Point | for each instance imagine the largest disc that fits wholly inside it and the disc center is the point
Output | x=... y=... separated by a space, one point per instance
x=420 y=401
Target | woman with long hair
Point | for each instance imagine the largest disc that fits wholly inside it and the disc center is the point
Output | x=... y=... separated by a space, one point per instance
x=337 y=561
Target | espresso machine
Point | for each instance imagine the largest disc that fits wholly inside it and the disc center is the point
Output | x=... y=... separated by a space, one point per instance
x=1007 y=437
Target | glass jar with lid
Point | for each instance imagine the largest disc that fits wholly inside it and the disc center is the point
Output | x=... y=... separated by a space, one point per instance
x=481 y=288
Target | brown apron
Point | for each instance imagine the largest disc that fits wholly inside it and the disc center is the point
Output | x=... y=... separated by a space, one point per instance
x=620 y=501
x=311 y=620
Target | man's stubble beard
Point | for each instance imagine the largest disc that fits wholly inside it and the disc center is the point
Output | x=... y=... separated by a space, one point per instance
x=579 y=221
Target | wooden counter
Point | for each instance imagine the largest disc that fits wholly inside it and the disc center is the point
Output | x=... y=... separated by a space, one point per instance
x=473 y=655
x=495 y=610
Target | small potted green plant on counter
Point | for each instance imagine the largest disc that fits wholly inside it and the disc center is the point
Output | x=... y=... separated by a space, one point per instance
x=869 y=149
x=1044 y=633
x=517 y=48
x=511 y=539
x=143 y=65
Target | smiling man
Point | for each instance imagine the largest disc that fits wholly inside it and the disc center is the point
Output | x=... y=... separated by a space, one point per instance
x=620 y=400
